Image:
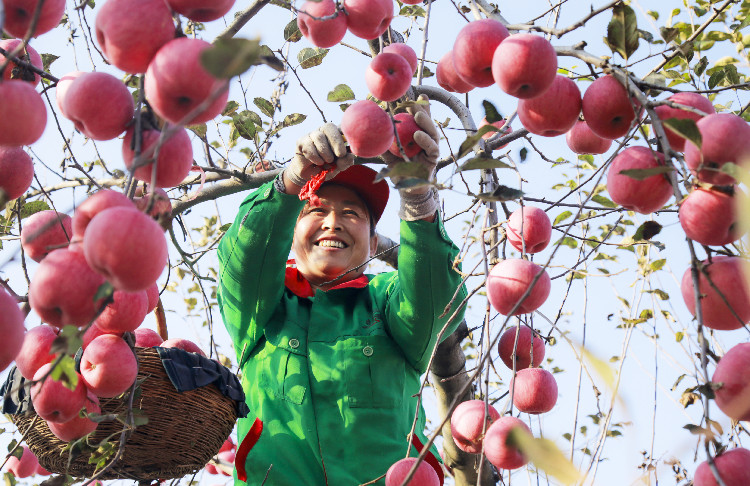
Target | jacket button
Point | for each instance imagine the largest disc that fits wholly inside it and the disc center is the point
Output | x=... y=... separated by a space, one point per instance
x=367 y=350
x=293 y=343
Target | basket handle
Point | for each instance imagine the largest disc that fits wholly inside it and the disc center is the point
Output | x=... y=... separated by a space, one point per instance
x=161 y=320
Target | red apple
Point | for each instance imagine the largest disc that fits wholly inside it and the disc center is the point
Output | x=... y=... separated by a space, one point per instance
x=509 y=280
x=125 y=314
x=161 y=207
x=695 y=100
x=523 y=349
x=11 y=328
x=16 y=171
x=644 y=196
x=405 y=126
x=733 y=466
x=608 y=109
x=174 y=160
x=61 y=88
x=63 y=288
x=130 y=32
x=25 y=466
x=83 y=103
x=425 y=475
x=108 y=366
x=184 y=344
x=177 y=83
x=725 y=138
x=147 y=338
x=35 y=350
x=322 y=33
x=93 y=205
x=94 y=332
x=468 y=424
x=228 y=445
x=582 y=140
x=52 y=400
x=118 y=237
x=368 y=19
x=45 y=231
x=406 y=52
x=535 y=226
x=731 y=376
x=152 y=292
x=388 y=76
x=367 y=128
x=41 y=471
x=553 y=112
x=80 y=425
x=524 y=65
x=19 y=14
x=200 y=10
x=447 y=78
x=500 y=454
x=474 y=48
x=23 y=115
x=501 y=125
x=534 y=390
x=709 y=217
x=27 y=54
x=727 y=277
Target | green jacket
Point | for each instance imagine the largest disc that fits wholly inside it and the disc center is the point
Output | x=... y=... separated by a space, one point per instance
x=331 y=374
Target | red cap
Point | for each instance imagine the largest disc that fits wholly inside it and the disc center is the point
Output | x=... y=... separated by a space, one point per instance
x=360 y=179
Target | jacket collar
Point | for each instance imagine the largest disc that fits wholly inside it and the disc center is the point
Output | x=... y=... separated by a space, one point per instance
x=295 y=282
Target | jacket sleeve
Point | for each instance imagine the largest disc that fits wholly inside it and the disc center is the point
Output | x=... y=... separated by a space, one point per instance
x=418 y=294
x=252 y=260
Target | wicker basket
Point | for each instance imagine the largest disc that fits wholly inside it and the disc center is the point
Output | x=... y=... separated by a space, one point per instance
x=184 y=430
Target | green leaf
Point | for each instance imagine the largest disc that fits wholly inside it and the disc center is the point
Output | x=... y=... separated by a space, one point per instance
x=468 y=144
x=33 y=207
x=227 y=58
x=545 y=455
x=65 y=372
x=200 y=129
x=668 y=33
x=685 y=128
x=502 y=193
x=105 y=291
x=47 y=60
x=225 y=227
x=647 y=230
x=562 y=217
x=230 y=108
x=658 y=264
x=67 y=341
x=293 y=119
x=607 y=203
x=490 y=112
x=340 y=93
x=622 y=31
x=700 y=66
x=658 y=292
x=483 y=162
x=311 y=57
x=567 y=241
x=641 y=174
x=265 y=106
x=292 y=32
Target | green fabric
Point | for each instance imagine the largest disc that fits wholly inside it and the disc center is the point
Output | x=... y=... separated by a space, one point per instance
x=332 y=376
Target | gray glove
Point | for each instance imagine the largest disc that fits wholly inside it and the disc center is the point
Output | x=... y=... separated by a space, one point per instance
x=319 y=150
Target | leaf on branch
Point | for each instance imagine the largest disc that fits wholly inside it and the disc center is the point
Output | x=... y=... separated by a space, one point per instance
x=408 y=170
x=230 y=108
x=65 y=372
x=685 y=128
x=468 y=144
x=483 y=163
x=669 y=33
x=231 y=57
x=265 y=106
x=340 y=93
x=562 y=217
x=47 y=60
x=607 y=203
x=33 y=207
x=200 y=129
x=105 y=291
x=641 y=174
x=545 y=455
x=646 y=231
x=490 y=112
x=622 y=31
x=292 y=32
x=311 y=57
x=698 y=430
x=67 y=341
x=426 y=73
x=501 y=194
x=293 y=119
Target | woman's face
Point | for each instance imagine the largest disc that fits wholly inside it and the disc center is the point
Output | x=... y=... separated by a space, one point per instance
x=334 y=237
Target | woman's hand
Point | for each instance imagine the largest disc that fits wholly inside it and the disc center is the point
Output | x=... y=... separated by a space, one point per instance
x=322 y=149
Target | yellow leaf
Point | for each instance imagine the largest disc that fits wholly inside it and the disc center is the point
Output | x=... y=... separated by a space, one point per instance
x=545 y=455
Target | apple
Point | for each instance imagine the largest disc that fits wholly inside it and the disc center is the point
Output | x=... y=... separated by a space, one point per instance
x=93 y=205
x=534 y=390
x=152 y=293
x=44 y=232
x=535 y=226
x=52 y=400
x=553 y=112
x=607 y=107
x=61 y=88
x=83 y=101
x=25 y=466
x=322 y=33
x=525 y=356
x=468 y=424
x=733 y=466
x=644 y=196
x=63 y=288
x=16 y=172
x=731 y=376
x=474 y=49
x=11 y=328
x=228 y=445
x=725 y=138
x=183 y=344
x=125 y=314
x=130 y=32
x=227 y=457
x=20 y=13
x=582 y=140
x=161 y=207
x=503 y=129
x=447 y=78
x=177 y=83
x=406 y=52
x=108 y=366
x=200 y=10
x=368 y=19
x=94 y=332
x=500 y=454
x=388 y=76
x=726 y=275
x=28 y=54
x=79 y=426
x=411 y=2
x=41 y=471
x=23 y=115
x=35 y=350
x=405 y=127
x=174 y=160
x=119 y=237
x=147 y=338
x=709 y=217
x=509 y=280
x=367 y=128
x=524 y=65
x=425 y=475
x=695 y=100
